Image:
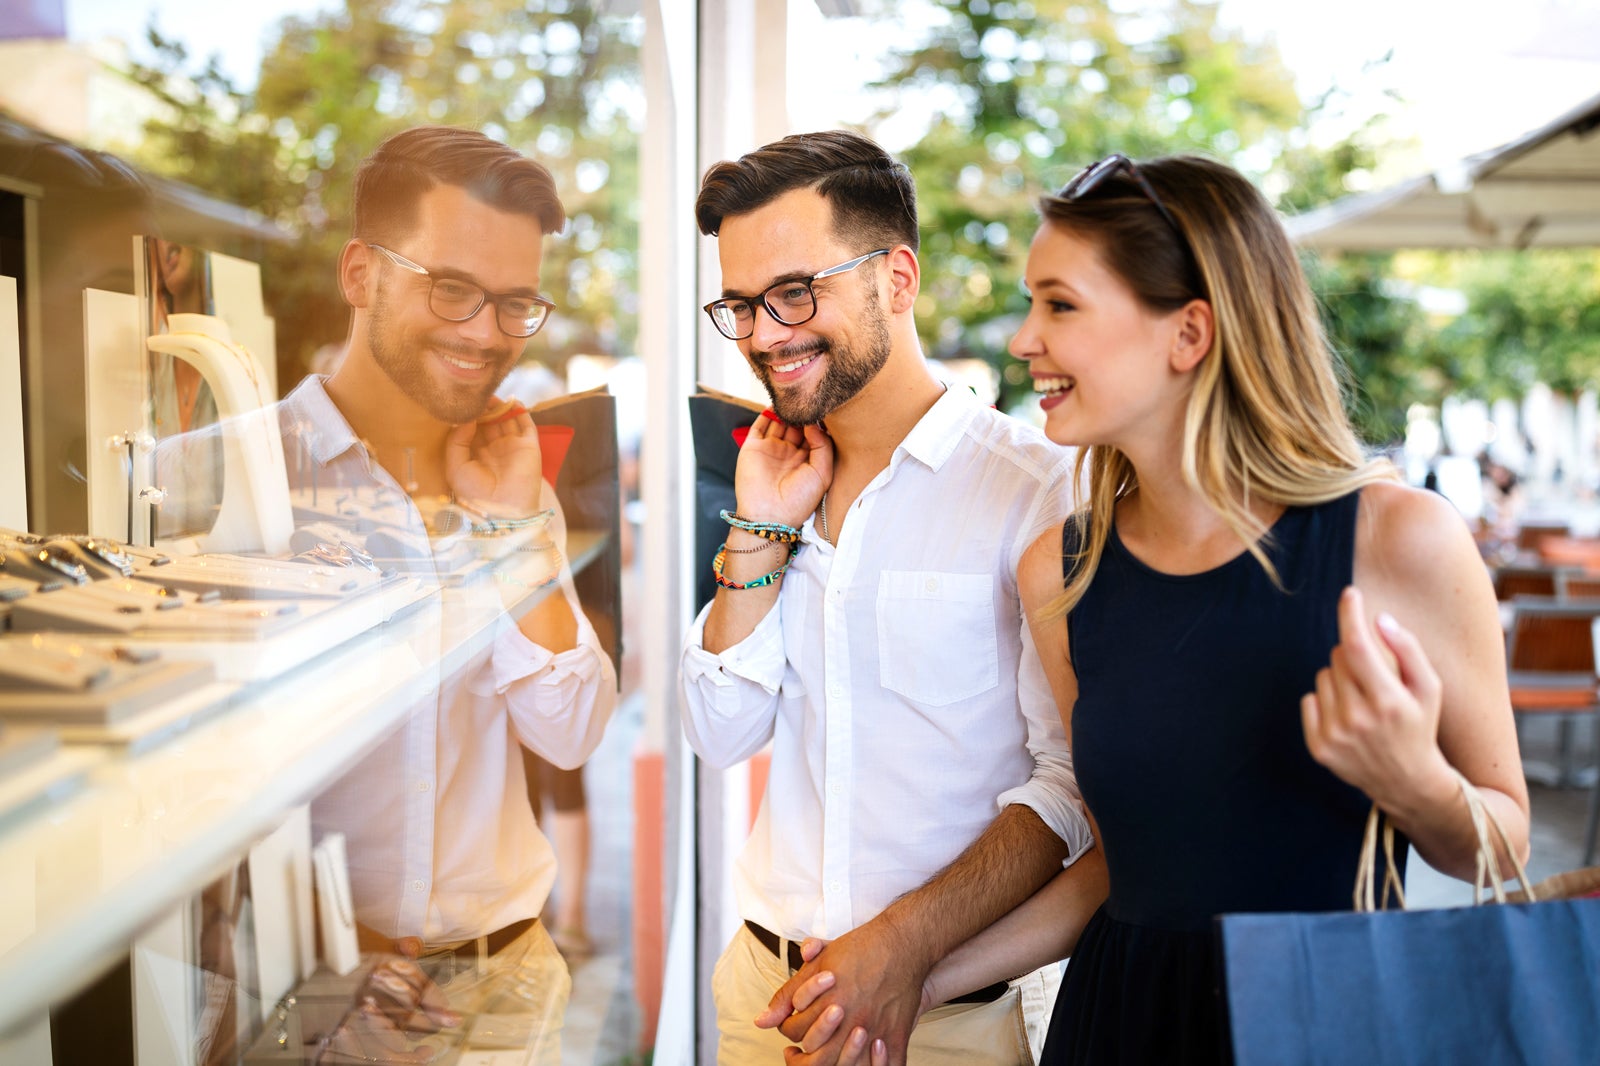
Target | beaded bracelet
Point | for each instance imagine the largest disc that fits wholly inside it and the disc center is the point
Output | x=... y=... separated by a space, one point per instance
x=769 y=530
x=764 y=579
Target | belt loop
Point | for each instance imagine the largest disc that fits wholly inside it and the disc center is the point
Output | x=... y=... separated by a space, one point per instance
x=783 y=953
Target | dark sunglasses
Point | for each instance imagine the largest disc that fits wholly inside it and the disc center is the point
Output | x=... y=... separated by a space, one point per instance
x=1090 y=177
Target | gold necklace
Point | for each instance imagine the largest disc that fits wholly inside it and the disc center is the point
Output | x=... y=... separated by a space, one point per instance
x=822 y=512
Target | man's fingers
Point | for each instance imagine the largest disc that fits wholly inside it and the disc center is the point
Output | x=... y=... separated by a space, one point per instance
x=808 y=992
x=796 y=1025
x=779 y=1007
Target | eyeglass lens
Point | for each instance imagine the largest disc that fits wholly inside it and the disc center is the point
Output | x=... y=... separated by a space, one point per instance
x=457 y=301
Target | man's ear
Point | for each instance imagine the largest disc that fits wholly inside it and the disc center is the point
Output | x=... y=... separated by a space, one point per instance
x=355 y=267
x=905 y=279
x=1196 y=328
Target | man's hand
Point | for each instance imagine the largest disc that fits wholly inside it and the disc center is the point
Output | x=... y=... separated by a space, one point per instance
x=494 y=464
x=783 y=471
x=876 y=991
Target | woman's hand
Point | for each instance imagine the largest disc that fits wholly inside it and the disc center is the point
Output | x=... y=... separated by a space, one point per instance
x=1374 y=717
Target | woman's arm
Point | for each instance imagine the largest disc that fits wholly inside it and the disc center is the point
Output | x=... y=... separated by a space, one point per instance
x=1045 y=927
x=1394 y=727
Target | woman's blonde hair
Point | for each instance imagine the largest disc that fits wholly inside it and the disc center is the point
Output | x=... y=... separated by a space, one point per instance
x=1265 y=419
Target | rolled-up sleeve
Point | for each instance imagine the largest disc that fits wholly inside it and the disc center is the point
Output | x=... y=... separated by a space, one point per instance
x=559 y=702
x=1052 y=789
x=730 y=700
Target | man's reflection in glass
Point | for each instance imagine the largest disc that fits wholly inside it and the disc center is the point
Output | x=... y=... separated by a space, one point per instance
x=406 y=439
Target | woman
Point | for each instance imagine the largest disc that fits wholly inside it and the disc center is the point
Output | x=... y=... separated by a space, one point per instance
x=1253 y=631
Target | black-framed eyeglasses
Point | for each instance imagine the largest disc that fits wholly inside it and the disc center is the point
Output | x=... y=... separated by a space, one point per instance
x=456 y=299
x=790 y=302
x=1090 y=177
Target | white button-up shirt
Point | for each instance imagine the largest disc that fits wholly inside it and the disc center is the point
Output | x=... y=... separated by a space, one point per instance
x=440 y=834
x=896 y=681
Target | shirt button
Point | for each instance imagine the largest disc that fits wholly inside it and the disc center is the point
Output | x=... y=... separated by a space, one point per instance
x=417 y=886
x=835 y=691
x=933 y=584
x=835 y=886
x=422 y=786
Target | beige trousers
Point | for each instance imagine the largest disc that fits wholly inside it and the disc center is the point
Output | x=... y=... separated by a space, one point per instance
x=1008 y=1032
x=514 y=1000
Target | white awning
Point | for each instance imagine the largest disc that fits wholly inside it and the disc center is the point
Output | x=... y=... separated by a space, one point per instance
x=1539 y=191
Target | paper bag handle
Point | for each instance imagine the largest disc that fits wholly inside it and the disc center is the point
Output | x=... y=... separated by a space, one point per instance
x=1488 y=874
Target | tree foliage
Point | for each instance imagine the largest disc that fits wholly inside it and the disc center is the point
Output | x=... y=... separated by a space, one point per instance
x=1531 y=316
x=1028 y=92
x=557 y=79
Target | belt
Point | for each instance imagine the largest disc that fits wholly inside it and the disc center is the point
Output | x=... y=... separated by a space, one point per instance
x=494 y=942
x=769 y=940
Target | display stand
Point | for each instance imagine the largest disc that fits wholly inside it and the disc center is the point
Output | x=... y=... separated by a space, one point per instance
x=85 y=877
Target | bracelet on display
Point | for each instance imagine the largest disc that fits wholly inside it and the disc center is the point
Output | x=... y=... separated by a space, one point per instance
x=769 y=530
x=760 y=582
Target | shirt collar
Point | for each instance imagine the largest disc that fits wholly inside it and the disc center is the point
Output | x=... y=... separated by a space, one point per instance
x=312 y=411
x=936 y=434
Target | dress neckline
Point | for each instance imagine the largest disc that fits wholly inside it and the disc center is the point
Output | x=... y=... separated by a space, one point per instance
x=1267 y=541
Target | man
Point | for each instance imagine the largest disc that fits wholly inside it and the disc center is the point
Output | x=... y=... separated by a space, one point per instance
x=920 y=783
x=447 y=863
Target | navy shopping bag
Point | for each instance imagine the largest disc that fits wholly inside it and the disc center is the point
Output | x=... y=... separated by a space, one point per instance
x=1498 y=984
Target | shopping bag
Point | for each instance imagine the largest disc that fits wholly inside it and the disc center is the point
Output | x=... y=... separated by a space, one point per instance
x=1505 y=983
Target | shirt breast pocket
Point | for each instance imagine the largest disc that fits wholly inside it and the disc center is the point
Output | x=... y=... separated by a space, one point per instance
x=936 y=635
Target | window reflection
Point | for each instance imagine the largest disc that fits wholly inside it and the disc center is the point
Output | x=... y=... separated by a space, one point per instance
x=399 y=563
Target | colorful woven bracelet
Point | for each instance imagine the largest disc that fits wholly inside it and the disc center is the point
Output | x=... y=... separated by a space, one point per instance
x=770 y=530
x=763 y=580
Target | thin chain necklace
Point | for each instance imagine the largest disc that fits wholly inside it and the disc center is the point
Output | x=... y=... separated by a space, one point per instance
x=822 y=512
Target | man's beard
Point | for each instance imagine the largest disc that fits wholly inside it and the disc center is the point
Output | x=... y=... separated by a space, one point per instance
x=848 y=371
x=405 y=361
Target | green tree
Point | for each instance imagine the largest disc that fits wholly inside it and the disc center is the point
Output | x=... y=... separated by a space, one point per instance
x=555 y=78
x=1531 y=316
x=1381 y=338
x=1028 y=92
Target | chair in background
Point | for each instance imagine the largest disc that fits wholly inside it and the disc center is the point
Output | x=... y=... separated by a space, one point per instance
x=1550 y=656
x=1513 y=581
x=1581 y=553
x=1530 y=535
x=1578 y=585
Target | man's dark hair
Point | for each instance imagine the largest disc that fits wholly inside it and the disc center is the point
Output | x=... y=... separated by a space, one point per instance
x=872 y=196
x=403 y=168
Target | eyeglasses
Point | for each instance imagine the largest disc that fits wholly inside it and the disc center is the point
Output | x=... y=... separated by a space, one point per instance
x=1090 y=177
x=457 y=300
x=790 y=302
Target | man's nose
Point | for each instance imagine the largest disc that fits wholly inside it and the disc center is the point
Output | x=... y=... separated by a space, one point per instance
x=483 y=327
x=766 y=332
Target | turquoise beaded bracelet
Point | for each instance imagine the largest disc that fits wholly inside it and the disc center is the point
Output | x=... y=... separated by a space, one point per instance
x=770 y=530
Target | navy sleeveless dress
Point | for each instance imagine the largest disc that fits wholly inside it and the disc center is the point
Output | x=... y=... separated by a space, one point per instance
x=1189 y=750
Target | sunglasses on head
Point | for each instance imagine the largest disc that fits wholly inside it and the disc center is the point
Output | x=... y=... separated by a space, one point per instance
x=1093 y=175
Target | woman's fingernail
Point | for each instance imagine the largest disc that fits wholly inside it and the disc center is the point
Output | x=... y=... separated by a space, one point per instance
x=833 y=1014
x=1387 y=623
x=825 y=979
